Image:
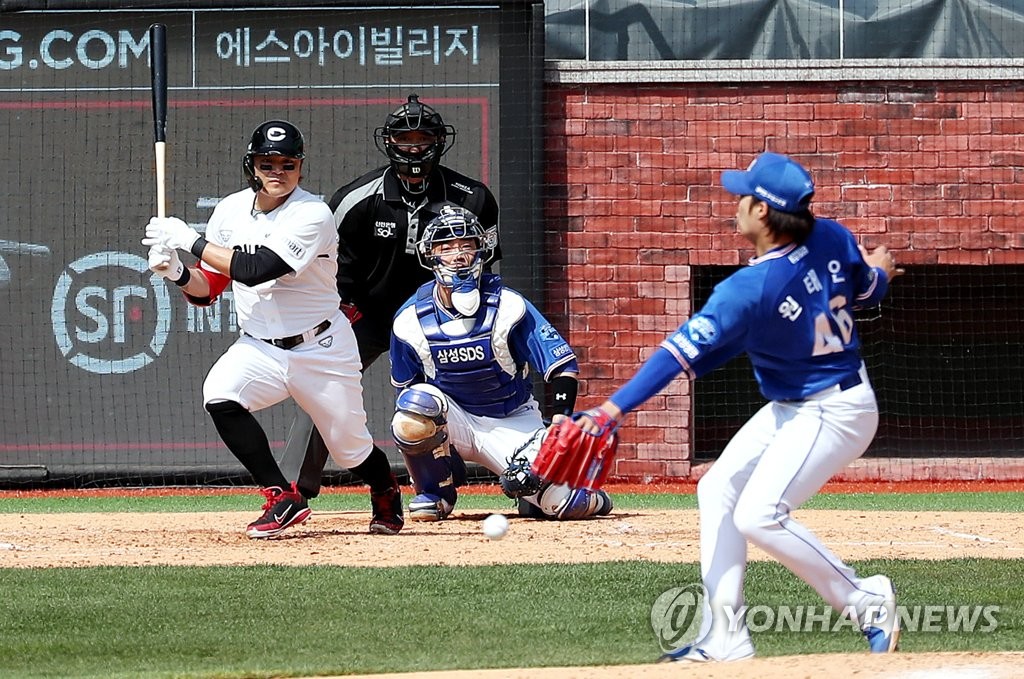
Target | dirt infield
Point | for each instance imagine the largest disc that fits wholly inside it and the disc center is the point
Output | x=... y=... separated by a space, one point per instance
x=341 y=538
x=864 y=666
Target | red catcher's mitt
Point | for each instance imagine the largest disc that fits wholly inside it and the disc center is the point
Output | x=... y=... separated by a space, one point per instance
x=579 y=459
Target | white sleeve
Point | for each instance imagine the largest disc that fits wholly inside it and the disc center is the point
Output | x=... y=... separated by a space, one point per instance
x=308 y=233
x=215 y=234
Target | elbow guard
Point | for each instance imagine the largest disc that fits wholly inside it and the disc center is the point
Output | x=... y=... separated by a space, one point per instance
x=216 y=281
x=265 y=265
x=564 y=389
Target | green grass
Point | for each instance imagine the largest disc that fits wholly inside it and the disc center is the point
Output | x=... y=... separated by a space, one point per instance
x=960 y=501
x=278 y=621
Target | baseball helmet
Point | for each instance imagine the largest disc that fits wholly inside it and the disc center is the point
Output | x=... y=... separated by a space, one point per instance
x=414 y=162
x=456 y=223
x=272 y=138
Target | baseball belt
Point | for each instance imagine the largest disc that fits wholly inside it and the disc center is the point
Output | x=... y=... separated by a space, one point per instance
x=295 y=340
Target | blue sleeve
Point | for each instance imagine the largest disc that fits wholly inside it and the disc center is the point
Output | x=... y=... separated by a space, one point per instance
x=536 y=341
x=710 y=338
x=405 y=364
x=873 y=289
x=870 y=284
x=720 y=330
x=654 y=375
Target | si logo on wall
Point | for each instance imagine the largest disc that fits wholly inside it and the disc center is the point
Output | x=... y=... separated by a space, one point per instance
x=110 y=313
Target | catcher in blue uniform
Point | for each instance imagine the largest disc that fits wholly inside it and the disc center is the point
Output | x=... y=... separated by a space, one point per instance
x=461 y=351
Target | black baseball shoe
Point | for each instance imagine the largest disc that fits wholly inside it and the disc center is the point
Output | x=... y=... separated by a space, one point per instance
x=530 y=510
x=387 y=511
x=283 y=508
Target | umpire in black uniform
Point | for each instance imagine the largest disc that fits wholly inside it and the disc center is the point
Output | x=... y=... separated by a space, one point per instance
x=380 y=218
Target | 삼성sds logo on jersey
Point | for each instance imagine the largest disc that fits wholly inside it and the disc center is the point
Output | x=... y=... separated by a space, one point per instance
x=460 y=354
x=110 y=313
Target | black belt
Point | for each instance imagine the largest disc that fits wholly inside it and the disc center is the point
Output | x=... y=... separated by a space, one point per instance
x=847 y=383
x=850 y=382
x=296 y=340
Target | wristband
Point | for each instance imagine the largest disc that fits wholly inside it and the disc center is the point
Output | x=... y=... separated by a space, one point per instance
x=600 y=418
x=198 y=247
x=186 y=276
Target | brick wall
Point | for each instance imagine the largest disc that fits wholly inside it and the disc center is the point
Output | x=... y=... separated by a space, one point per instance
x=933 y=170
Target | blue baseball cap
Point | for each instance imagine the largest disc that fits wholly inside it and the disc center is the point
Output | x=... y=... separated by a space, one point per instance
x=777 y=180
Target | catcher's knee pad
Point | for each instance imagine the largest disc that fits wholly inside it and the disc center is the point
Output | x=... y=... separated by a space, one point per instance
x=562 y=503
x=420 y=422
x=518 y=480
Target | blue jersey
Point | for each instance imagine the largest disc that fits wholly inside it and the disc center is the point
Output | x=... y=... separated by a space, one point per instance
x=480 y=362
x=790 y=310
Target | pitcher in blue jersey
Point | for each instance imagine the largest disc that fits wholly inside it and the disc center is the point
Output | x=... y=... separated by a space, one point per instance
x=461 y=351
x=791 y=311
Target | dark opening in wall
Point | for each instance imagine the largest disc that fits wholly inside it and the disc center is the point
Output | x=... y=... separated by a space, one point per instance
x=945 y=354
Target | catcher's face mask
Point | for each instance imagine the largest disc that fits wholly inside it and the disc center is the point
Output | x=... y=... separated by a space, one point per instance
x=455 y=248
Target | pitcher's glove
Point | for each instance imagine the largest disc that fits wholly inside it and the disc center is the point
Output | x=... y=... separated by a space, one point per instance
x=577 y=458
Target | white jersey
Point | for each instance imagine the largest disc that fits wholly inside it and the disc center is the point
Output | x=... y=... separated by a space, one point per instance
x=302 y=233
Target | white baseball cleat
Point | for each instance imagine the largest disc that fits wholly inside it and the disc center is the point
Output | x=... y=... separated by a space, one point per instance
x=879 y=620
x=703 y=653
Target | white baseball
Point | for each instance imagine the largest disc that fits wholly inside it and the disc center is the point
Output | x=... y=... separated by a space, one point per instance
x=495 y=526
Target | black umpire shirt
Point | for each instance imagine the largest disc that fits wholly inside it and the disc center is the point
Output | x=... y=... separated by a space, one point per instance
x=379 y=225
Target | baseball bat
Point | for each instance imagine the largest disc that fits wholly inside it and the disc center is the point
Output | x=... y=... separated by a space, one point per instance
x=158 y=73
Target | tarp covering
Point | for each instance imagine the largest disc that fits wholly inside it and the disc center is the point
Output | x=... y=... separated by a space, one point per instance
x=625 y=30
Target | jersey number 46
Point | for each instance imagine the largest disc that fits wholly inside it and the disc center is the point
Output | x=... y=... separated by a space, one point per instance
x=833 y=331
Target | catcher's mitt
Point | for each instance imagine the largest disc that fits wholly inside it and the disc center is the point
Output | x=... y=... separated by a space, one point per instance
x=572 y=456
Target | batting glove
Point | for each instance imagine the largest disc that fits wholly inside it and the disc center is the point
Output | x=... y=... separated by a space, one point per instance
x=172 y=232
x=164 y=262
x=351 y=311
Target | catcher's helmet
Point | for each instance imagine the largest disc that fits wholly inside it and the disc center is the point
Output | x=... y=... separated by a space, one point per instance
x=272 y=138
x=456 y=223
x=414 y=159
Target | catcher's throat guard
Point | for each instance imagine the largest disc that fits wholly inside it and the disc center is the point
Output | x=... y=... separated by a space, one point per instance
x=577 y=458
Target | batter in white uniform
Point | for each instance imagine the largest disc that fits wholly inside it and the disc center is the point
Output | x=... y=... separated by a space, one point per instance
x=277 y=246
x=791 y=311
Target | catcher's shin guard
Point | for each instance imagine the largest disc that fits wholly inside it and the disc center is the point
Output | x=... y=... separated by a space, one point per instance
x=420 y=429
x=438 y=472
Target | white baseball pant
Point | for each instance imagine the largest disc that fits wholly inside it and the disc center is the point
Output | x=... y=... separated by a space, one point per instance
x=322 y=376
x=777 y=461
